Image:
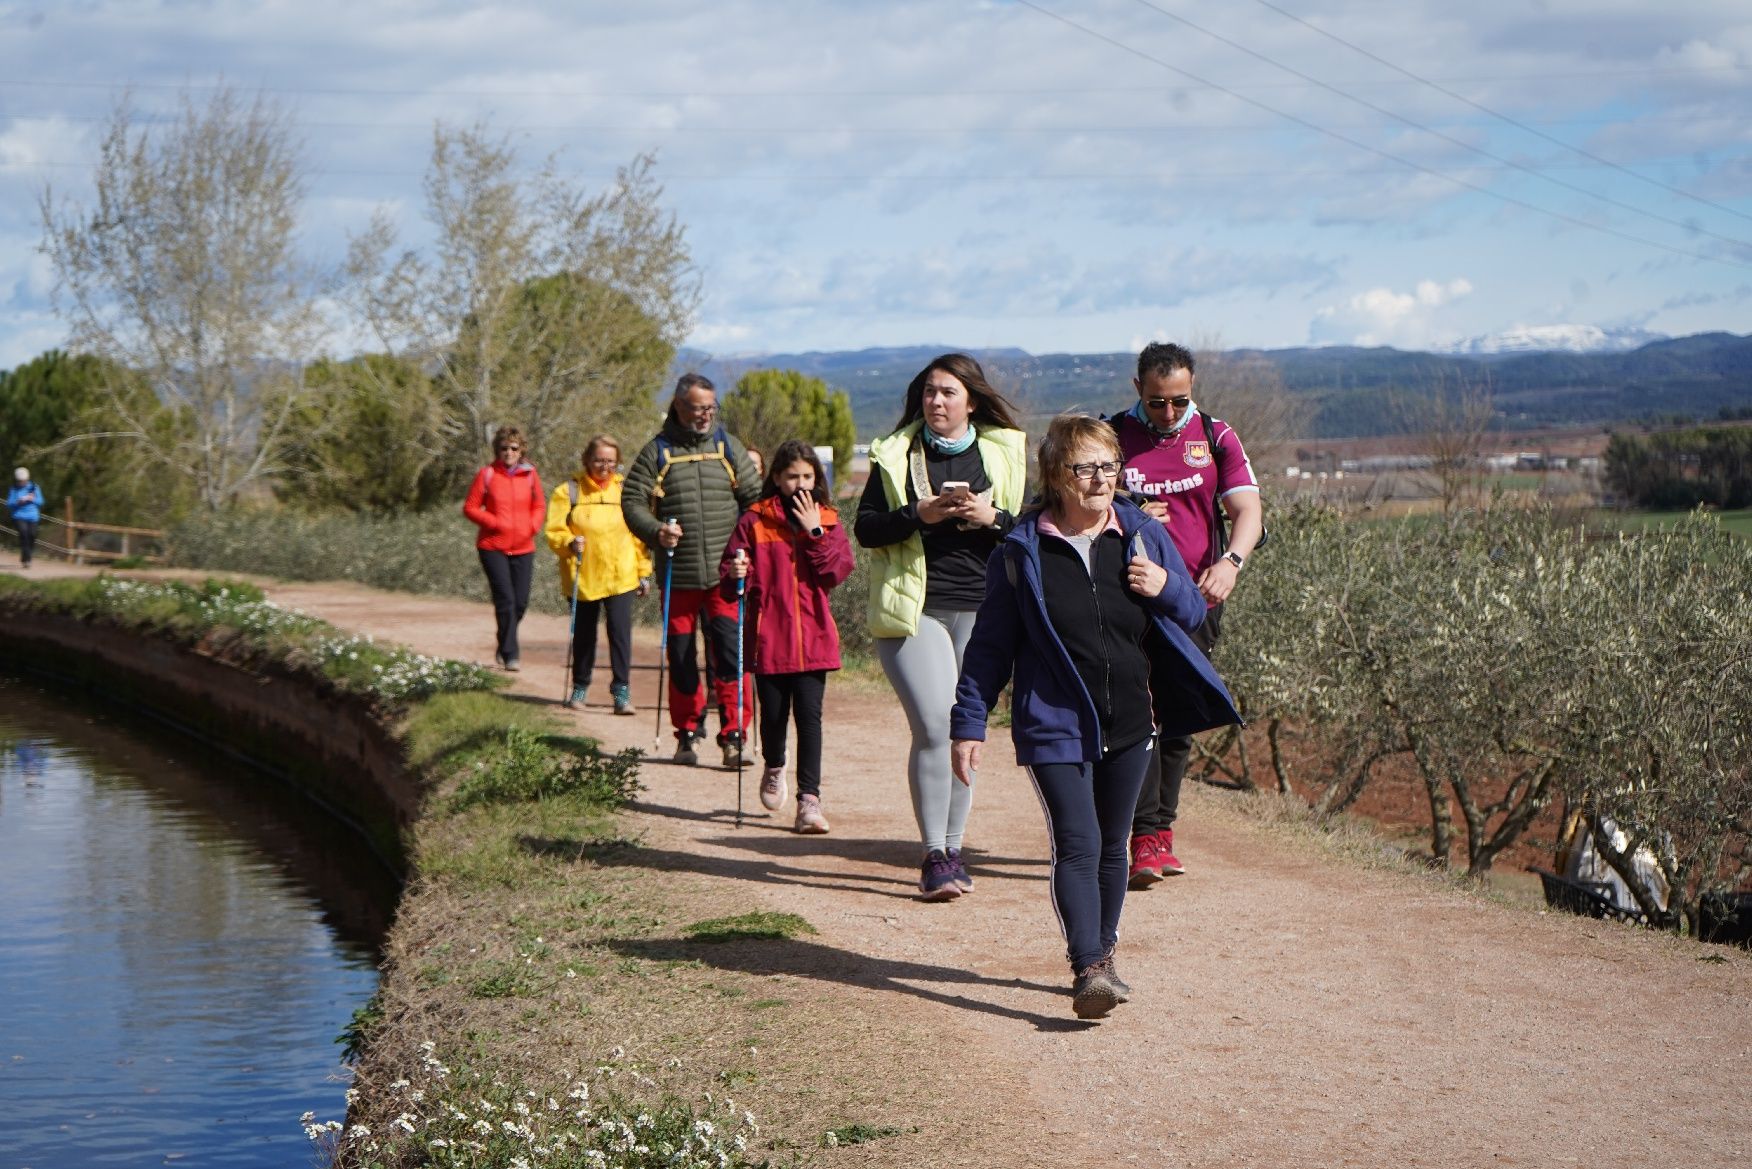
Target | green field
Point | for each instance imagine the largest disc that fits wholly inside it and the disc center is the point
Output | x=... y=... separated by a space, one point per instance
x=1738 y=522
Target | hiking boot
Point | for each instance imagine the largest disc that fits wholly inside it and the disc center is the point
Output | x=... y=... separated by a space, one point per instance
x=962 y=880
x=732 y=745
x=511 y=666
x=623 y=698
x=576 y=701
x=1171 y=866
x=1093 y=993
x=773 y=789
x=810 y=821
x=1146 y=866
x=684 y=748
x=937 y=877
x=1120 y=985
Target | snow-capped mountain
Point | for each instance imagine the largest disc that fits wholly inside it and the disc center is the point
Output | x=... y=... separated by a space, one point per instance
x=1556 y=339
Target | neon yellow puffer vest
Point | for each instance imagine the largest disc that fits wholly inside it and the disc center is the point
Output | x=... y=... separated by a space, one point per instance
x=897 y=587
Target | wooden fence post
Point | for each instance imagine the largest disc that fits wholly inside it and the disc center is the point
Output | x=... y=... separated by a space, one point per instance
x=72 y=534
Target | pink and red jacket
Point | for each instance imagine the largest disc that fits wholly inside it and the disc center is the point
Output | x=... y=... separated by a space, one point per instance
x=790 y=575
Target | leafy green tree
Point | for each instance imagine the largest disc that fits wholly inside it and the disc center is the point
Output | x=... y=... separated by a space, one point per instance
x=539 y=305
x=772 y=405
x=58 y=422
x=371 y=439
x=185 y=275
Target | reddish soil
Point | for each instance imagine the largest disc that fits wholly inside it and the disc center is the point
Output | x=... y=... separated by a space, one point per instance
x=1291 y=1008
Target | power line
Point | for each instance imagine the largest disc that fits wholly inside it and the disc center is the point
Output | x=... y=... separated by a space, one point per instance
x=1515 y=122
x=1444 y=136
x=1377 y=151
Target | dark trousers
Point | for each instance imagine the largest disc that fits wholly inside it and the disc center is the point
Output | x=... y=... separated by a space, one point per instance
x=508 y=578
x=619 y=611
x=780 y=695
x=716 y=618
x=27 y=530
x=1159 y=800
x=1088 y=815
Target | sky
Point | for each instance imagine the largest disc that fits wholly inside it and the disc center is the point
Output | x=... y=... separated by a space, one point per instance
x=1055 y=175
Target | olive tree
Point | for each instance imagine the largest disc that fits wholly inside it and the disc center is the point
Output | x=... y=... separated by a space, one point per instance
x=769 y=406
x=184 y=273
x=539 y=304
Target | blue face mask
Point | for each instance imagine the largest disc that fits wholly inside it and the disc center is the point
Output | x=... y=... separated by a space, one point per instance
x=947 y=446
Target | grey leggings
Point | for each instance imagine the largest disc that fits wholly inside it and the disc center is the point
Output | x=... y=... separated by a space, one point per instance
x=923 y=670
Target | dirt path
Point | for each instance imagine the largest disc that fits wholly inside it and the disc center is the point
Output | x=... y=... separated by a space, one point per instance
x=1290 y=1009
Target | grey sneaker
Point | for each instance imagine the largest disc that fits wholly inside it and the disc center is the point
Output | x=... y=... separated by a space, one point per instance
x=684 y=748
x=1093 y=993
x=773 y=788
x=623 y=698
x=732 y=745
x=937 y=877
x=962 y=878
x=810 y=821
x=1120 y=985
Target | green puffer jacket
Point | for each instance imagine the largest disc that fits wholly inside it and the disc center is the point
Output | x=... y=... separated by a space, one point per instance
x=697 y=490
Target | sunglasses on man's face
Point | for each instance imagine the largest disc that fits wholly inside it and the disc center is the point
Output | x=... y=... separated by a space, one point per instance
x=1180 y=403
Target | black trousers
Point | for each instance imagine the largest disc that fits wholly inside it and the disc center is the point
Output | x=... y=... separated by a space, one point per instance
x=27 y=530
x=619 y=610
x=508 y=579
x=1159 y=798
x=780 y=696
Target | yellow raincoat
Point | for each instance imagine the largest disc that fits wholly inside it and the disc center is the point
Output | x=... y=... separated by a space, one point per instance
x=614 y=561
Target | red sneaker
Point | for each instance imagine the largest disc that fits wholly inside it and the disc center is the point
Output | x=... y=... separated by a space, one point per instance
x=1170 y=864
x=1146 y=866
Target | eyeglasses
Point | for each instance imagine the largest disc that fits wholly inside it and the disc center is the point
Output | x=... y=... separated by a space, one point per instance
x=1180 y=403
x=690 y=408
x=510 y=446
x=1087 y=470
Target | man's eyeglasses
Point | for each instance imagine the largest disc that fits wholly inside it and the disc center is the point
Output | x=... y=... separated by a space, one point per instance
x=690 y=408
x=1180 y=403
x=1087 y=470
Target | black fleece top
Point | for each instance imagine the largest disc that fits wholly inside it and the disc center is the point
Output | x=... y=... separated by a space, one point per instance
x=955 y=560
x=1102 y=624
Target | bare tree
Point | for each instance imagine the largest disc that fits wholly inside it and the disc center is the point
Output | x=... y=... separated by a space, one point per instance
x=1449 y=422
x=540 y=304
x=1247 y=391
x=186 y=274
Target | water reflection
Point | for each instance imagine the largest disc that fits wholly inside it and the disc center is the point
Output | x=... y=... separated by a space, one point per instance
x=180 y=942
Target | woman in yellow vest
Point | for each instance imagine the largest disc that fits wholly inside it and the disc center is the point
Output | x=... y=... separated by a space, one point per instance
x=610 y=568
x=944 y=489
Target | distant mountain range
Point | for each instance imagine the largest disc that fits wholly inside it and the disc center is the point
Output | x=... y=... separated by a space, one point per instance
x=1347 y=389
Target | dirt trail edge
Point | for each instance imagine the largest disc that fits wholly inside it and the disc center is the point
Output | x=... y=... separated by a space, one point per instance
x=1290 y=1010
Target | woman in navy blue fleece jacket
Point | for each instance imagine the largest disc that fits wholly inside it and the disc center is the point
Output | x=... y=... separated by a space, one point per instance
x=1080 y=596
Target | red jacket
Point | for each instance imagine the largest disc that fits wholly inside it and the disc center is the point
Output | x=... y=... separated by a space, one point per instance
x=789 y=576
x=508 y=506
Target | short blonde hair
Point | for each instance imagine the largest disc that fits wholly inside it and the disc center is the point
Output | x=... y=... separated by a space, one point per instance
x=1065 y=435
x=607 y=440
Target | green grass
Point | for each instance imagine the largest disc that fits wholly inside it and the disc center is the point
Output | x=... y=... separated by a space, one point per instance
x=763 y=926
x=1737 y=522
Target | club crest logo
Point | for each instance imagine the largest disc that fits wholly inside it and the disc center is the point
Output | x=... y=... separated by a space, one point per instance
x=1198 y=454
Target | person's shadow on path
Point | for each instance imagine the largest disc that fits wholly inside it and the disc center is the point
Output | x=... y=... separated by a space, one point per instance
x=789 y=955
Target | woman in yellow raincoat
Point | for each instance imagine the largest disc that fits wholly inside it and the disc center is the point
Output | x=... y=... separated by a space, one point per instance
x=604 y=562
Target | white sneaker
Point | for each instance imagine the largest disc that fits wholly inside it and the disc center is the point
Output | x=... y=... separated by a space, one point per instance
x=810 y=821
x=772 y=788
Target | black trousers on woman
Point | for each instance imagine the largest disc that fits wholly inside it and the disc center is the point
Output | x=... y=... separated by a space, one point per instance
x=27 y=530
x=780 y=695
x=619 y=611
x=508 y=579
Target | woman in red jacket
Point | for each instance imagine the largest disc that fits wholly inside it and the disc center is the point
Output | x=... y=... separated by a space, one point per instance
x=506 y=503
x=788 y=552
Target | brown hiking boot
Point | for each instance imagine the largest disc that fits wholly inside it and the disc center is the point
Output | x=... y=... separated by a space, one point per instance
x=1112 y=970
x=1093 y=993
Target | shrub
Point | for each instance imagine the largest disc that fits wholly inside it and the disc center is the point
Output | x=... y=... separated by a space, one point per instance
x=522 y=766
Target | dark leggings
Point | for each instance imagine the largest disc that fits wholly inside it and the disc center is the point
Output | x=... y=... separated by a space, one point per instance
x=1088 y=810
x=780 y=694
x=1159 y=800
x=619 y=610
x=27 y=530
x=508 y=578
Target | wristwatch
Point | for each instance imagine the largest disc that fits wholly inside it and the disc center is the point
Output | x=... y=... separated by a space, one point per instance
x=1235 y=559
x=815 y=532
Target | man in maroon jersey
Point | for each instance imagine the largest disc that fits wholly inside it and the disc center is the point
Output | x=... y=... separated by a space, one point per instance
x=1181 y=465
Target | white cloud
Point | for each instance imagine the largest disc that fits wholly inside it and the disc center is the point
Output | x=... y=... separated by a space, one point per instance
x=1383 y=316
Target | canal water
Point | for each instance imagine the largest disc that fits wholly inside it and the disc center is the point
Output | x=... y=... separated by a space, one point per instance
x=181 y=940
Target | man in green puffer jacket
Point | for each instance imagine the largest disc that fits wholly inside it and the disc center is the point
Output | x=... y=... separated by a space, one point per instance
x=682 y=496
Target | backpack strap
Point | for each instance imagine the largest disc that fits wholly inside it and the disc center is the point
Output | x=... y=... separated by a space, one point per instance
x=1219 y=520
x=666 y=457
x=572 y=490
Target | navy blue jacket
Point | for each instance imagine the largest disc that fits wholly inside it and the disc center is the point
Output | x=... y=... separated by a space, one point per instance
x=1053 y=715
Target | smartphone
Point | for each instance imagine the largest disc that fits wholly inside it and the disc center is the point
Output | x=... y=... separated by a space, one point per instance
x=956 y=487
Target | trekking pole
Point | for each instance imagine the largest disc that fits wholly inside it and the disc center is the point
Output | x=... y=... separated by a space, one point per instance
x=663 y=645
x=741 y=607
x=572 y=633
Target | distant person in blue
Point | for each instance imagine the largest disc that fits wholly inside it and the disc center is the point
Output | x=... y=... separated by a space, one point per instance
x=25 y=502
